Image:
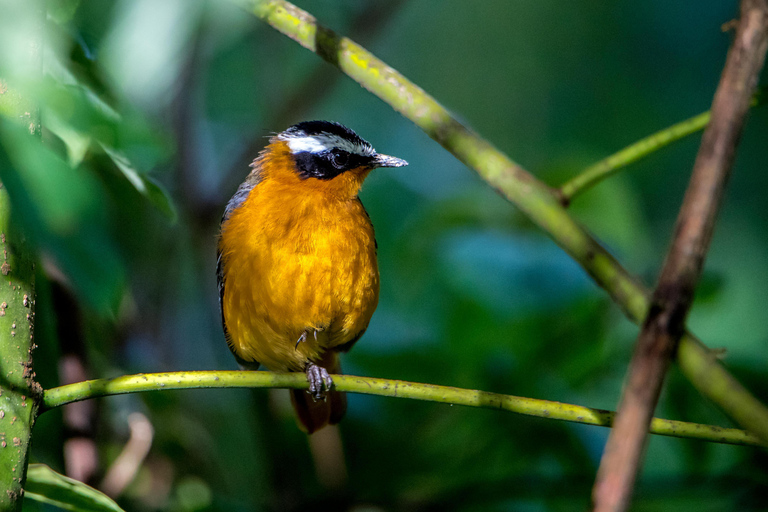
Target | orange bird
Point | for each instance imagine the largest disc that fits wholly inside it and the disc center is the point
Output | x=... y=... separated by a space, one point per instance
x=297 y=271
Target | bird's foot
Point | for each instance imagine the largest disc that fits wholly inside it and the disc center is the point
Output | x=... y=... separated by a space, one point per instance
x=319 y=381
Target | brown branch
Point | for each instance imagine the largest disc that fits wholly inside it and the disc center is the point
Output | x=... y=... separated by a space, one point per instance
x=673 y=296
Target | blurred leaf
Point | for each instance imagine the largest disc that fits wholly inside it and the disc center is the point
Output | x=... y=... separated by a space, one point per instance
x=144 y=64
x=144 y=184
x=62 y=11
x=77 y=116
x=47 y=486
x=77 y=143
x=58 y=194
x=61 y=74
x=62 y=209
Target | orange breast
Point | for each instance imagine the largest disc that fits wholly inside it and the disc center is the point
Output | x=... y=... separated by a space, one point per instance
x=295 y=260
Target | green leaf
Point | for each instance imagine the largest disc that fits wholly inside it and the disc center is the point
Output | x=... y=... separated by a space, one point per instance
x=77 y=143
x=143 y=183
x=62 y=209
x=75 y=114
x=61 y=11
x=47 y=486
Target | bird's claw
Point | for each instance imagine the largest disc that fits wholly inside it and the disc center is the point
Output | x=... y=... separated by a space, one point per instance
x=302 y=338
x=319 y=381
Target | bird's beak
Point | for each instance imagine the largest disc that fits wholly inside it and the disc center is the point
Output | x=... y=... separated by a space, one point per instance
x=388 y=161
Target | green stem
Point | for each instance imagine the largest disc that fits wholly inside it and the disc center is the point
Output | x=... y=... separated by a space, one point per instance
x=608 y=166
x=19 y=392
x=630 y=154
x=62 y=395
x=18 y=398
x=532 y=197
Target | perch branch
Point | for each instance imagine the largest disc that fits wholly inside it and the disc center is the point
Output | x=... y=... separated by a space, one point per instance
x=56 y=397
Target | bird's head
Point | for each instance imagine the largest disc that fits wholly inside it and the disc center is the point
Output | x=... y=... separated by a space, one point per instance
x=322 y=155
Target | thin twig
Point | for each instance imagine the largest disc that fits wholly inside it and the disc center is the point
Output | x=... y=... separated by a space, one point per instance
x=56 y=397
x=610 y=165
x=673 y=296
x=532 y=197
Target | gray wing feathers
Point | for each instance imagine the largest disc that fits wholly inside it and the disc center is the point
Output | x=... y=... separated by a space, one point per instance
x=234 y=203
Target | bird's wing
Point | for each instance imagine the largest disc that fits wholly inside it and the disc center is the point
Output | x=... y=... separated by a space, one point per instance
x=235 y=202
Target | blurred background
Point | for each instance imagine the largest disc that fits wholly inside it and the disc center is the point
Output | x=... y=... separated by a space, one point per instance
x=152 y=111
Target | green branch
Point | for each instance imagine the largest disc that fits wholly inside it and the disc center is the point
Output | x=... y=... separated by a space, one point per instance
x=608 y=166
x=18 y=407
x=20 y=392
x=532 y=197
x=62 y=395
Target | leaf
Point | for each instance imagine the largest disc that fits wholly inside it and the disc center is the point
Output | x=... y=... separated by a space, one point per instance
x=77 y=143
x=77 y=115
x=143 y=184
x=47 y=486
x=62 y=11
x=62 y=209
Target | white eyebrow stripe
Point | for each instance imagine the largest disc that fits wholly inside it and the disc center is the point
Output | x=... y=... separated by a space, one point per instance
x=323 y=142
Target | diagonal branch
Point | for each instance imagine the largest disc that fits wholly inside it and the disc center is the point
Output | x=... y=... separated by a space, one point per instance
x=673 y=296
x=532 y=197
x=62 y=395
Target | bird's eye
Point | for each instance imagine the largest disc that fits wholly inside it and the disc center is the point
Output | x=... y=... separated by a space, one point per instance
x=339 y=159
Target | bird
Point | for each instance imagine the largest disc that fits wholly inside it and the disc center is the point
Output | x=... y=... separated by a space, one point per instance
x=297 y=263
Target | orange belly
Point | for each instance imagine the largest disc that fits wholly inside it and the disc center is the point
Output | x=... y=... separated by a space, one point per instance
x=293 y=265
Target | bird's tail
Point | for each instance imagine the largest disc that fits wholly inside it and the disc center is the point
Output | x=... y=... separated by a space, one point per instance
x=311 y=414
